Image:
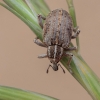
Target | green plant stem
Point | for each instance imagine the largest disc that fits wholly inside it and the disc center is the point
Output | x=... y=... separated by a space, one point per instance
x=85 y=76
x=73 y=15
x=40 y=6
x=82 y=73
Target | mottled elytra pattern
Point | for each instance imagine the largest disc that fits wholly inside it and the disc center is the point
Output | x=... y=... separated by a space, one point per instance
x=58 y=28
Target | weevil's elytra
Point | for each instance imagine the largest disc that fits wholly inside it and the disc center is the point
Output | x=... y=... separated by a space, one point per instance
x=58 y=28
x=57 y=35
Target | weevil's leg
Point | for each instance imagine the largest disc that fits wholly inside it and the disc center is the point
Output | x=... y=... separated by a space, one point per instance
x=48 y=68
x=61 y=67
x=76 y=32
x=42 y=56
x=39 y=43
x=69 y=61
x=71 y=49
x=40 y=17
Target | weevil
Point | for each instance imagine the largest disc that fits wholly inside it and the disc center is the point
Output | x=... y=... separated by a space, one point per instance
x=57 y=35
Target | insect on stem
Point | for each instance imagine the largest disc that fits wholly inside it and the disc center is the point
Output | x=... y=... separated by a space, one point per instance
x=57 y=29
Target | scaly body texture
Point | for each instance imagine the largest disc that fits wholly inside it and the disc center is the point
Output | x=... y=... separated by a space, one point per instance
x=58 y=28
x=57 y=35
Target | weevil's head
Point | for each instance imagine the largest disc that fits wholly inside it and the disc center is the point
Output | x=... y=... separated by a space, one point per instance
x=55 y=54
x=55 y=66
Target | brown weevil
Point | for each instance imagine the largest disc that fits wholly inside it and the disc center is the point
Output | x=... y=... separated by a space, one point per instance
x=57 y=35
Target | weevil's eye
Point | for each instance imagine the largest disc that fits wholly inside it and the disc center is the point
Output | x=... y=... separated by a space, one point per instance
x=78 y=31
x=51 y=61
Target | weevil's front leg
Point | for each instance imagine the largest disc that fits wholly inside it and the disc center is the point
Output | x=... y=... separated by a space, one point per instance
x=69 y=61
x=61 y=67
x=40 y=18
x=48 y=68
x=42 y=56
x=39 y=43
x=76 y=32
x=70 y=49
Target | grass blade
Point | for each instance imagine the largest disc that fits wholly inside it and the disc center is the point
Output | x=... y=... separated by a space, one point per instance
x=40 y=7
x=73 y=15
x=20 y=7
x=9 y=93
x=29 y=3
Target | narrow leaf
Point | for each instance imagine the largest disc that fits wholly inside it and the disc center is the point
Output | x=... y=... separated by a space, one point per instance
x=20 y=7
x=29 y=3
x=9 y=93
x=40 y=7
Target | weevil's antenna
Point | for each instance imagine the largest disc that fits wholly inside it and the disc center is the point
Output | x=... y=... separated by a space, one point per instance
x=61 y=68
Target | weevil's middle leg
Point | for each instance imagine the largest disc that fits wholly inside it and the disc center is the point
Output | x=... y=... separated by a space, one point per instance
x=70 y=49
x=76 y=31
x=42 y=56
x=39 y=43
x=69 y=61
x=40 y=18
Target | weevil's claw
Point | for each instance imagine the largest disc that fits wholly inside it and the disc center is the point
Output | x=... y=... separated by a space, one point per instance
x=35 y=40
x=64 y=71
x=71 y=71
x=47 y=71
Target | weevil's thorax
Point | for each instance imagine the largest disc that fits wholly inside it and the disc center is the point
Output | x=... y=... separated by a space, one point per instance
x=54 y=53
x=58 y=28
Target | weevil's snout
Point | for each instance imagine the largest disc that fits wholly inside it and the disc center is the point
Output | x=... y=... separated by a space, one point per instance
x=55 y=66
